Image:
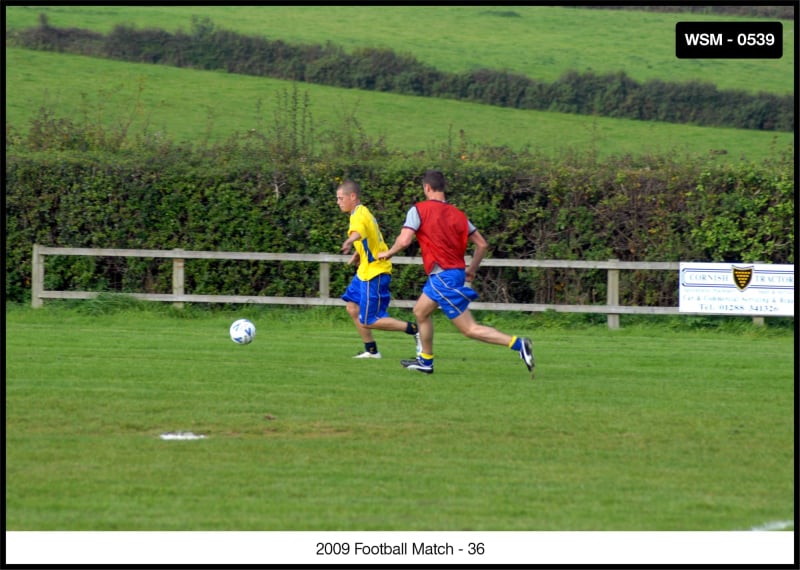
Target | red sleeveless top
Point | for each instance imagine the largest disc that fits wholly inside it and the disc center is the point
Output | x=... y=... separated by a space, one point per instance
x=443 y=235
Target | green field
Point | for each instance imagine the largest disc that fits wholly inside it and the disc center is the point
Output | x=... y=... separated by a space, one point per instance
x=639 y=429
x=203 y=106
x=541 y=42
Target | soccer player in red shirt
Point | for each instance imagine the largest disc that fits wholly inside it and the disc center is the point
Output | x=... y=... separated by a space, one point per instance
x=443 y=232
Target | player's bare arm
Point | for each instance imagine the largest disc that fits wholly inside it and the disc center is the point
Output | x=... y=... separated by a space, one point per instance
x=403 y=241
x=348 y=243
x=481 y=247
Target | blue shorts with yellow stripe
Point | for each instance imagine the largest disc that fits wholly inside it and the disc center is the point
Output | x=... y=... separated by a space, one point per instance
x=448 y=290
x=372 y=297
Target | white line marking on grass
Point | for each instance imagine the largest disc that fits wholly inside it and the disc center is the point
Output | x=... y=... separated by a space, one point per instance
x=774 y=525
x=182 y=435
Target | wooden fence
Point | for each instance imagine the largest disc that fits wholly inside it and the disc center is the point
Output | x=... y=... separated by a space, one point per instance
x=612 y=308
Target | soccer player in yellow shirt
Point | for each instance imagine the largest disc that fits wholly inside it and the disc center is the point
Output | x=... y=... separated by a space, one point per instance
x=368 y=296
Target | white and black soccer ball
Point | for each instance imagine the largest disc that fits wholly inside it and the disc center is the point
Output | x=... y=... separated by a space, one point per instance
x=243 y=331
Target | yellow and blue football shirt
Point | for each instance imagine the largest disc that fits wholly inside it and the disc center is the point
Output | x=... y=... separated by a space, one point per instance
x=370 y=244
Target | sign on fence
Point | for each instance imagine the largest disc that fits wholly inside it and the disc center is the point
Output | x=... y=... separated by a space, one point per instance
x=757 y=289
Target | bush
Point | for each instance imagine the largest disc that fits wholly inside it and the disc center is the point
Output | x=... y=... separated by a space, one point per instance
x=275 y=192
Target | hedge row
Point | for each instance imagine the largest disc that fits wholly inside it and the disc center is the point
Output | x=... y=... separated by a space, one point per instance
x=612 y=95
x=653 y=208
x=758 y=11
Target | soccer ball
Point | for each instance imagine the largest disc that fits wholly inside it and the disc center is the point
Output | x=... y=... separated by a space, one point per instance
x=243 y=331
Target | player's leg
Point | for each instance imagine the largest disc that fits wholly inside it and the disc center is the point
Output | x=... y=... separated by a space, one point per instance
x=423 y=311
x=353 y=297
x=465 y=323
x=373 y=304
x=364 y=332
x=448 y=290
x=376 y=313
x=444 y=289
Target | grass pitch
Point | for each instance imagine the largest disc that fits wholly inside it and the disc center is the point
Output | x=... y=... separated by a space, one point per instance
x=643 y=428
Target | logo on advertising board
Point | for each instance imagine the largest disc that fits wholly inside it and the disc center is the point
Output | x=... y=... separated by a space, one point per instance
x=742 y=276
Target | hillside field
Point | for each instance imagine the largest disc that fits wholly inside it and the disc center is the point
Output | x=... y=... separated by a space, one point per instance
x=204 y=106
x=541 y=42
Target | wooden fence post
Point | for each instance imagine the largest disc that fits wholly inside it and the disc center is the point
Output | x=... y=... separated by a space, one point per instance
x=37 y=278
x=177 y=278
x=324 y=279
x=612 y=296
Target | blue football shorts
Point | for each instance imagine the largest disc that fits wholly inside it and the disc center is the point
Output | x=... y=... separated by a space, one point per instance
x=448 y=290
x=372 y=297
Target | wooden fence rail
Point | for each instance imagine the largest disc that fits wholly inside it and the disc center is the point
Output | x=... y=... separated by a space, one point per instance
x=612 y=308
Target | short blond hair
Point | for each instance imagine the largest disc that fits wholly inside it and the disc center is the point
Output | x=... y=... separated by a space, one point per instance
x=350 y=187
